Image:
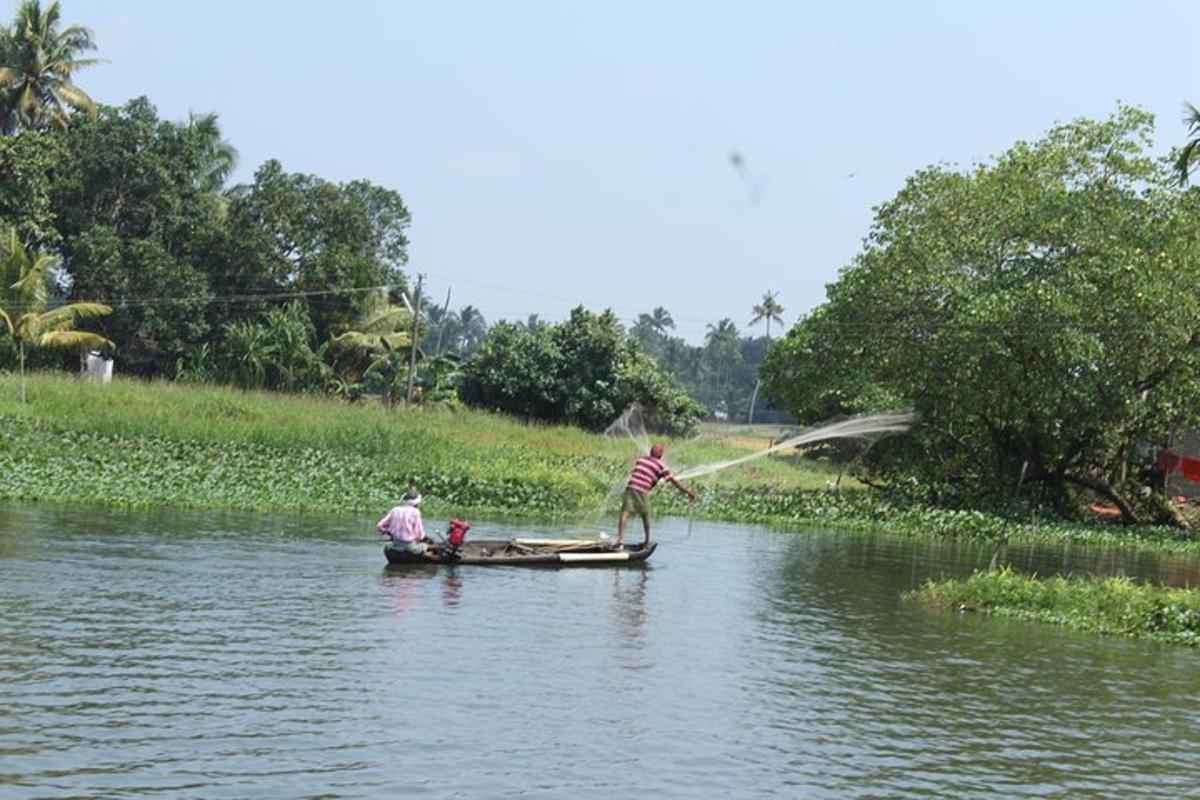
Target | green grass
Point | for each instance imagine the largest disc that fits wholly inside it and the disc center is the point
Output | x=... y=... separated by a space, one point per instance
x=1110 y=606
x=158 y=444
x=139 y=444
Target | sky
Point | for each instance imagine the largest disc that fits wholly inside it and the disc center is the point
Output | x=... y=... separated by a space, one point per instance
x=556 y=154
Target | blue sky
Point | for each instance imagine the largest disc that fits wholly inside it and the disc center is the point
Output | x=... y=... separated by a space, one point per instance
x=556 y=154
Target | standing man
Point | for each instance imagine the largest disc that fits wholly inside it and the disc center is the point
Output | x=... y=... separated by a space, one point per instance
x=647 y=472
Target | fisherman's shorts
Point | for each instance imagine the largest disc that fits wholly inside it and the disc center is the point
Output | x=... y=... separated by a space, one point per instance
x=636 y=502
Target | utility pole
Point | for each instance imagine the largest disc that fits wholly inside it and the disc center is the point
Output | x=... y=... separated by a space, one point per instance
x=412 y=356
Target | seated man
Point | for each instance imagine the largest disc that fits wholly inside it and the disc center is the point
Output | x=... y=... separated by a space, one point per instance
x=404 y=527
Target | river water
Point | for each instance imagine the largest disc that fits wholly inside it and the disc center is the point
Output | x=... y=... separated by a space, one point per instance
x=234 y=656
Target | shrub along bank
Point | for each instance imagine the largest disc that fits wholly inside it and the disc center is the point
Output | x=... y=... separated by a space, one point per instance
x=1113 y=606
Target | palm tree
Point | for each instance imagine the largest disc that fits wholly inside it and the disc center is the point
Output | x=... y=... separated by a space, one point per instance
x=38 y=59
x=721 y=336
x=472 y=328
x=1191 y=150
x=659 y=319
x=721 y=347
x=26 y=281
x=220 y=157
x=768 y=309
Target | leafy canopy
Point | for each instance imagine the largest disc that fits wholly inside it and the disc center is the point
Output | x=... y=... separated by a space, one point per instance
x=1039 y=312
x=584 y=371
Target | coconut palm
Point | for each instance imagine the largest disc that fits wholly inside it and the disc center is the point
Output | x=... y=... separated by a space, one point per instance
x=1191 y=151
x=220 y=157
x=659 y=319
x=721 y=337
x=26 y=282
x=442 y=326
x=768 y=309
x=472 y=328
x=38 y=60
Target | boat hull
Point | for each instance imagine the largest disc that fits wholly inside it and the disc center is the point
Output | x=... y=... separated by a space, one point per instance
x=529 y=553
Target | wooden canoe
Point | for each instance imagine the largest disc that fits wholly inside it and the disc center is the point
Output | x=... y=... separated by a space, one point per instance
x=530 y=553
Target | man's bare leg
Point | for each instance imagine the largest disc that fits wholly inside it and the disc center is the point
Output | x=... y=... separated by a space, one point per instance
x=646 y=527
x=621 y=520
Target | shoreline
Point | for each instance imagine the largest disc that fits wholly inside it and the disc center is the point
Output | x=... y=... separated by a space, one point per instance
x=152 y=445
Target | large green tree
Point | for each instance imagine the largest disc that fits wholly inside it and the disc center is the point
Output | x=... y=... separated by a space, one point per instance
x=1039 y=311
x=38 y=61
x=139 y=228
x=584 y=371
x=327 y=242
x=27 y=164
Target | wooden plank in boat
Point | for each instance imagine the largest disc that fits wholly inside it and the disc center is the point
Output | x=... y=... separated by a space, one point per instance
x=620 y=555
x=558 y=542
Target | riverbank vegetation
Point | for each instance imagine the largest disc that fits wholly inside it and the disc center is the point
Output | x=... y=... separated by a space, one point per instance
x=1110 y=606
x=161 y=444
x=1030 y=310
x=287 y=281
x=157 y=444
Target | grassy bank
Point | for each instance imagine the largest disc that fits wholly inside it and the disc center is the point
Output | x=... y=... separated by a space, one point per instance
x=1111 y=606
x=139 y=444
x=142 y=445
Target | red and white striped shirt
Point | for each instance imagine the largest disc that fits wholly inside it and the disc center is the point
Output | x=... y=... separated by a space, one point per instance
x=647 y=472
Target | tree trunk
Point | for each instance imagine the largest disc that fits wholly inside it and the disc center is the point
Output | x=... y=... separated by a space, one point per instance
x=1097 y=485
x=21 y=348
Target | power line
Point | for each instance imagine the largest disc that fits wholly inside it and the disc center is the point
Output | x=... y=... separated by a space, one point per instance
x=126 y=302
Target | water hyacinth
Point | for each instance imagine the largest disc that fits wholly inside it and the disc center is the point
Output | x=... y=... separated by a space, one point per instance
x=1111 y=606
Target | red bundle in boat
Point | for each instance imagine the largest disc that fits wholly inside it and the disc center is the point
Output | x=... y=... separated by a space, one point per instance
x=457 y=533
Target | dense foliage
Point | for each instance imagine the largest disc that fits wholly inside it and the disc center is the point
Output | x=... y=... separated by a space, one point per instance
x=584 y=371
x=722 y=373
x=1030 y=310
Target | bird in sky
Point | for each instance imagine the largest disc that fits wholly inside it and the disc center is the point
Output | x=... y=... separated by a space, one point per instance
x=755 y=184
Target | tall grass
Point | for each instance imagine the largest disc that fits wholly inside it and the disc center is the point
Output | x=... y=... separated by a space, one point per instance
x=1111 y=606
x=133 y=443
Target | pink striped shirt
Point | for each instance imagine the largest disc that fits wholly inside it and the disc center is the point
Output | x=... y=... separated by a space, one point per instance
x=403 y=524
x=647 y=472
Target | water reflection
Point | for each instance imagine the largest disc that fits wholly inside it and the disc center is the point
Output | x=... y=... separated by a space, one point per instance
x=452 y=587
x=629 y=608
